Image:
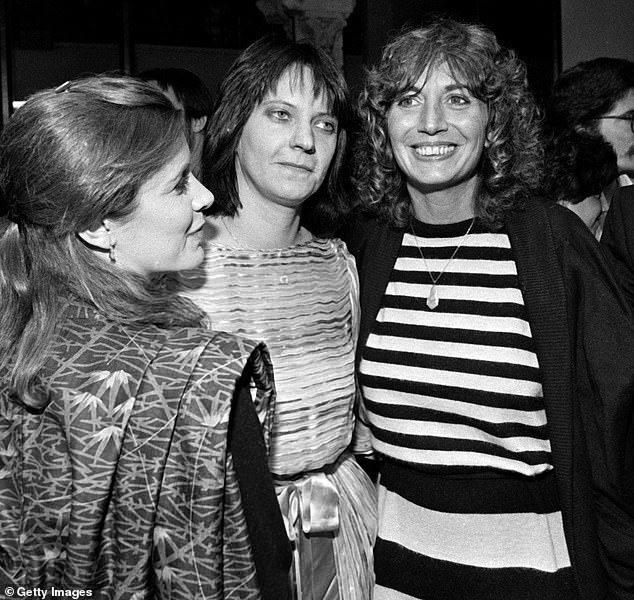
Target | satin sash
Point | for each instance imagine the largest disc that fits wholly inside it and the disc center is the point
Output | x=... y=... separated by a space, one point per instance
x=310 y=511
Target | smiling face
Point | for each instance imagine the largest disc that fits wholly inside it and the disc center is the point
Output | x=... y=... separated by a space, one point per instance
x=438 y=132
x=286 y=145
x=165 y=230
x=618 y=133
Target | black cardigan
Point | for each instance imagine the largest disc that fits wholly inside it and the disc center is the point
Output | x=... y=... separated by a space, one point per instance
x=618 y=238
x=584 y=339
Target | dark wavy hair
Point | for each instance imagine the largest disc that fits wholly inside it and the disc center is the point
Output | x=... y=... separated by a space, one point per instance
x=256 y=72
x=587 y=91
x=578 y=166
x=188 y=88
x=511 y=165
x=70 y=158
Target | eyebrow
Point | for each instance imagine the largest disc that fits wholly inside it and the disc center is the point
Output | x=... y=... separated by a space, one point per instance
x=452 y=87
x=457 y=86
x=291 y=105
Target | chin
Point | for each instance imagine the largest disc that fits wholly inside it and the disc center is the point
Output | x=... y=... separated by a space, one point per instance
x=191 y=262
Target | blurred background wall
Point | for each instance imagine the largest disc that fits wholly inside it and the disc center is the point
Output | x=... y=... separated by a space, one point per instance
x=45 y=42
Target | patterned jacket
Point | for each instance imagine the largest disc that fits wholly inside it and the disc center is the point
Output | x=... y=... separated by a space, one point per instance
x=124 y=485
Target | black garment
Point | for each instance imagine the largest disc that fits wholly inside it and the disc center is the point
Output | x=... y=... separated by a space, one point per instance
x=584 y=339
x=618 y=238
x=269 y=542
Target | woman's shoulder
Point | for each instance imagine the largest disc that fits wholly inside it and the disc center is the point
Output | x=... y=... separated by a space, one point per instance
x=87 y=336
x=333 y=245
x=544 y=227
x=538 y=214
x=361 y=228
x=210 y=345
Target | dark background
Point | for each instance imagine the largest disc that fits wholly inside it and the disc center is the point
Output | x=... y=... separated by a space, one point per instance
x=30 y=28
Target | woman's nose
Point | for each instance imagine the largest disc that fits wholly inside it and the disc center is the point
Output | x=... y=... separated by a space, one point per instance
x=202 y=198
x=303 y=137
x=432 y=118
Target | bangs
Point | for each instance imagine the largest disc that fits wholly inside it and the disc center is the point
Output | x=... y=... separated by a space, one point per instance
x=464 y=50
x=463 y=70
x=308 y=75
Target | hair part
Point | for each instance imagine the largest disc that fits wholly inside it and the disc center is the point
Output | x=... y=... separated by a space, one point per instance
x=69 y=159
x=511 y=163
x=254 y=74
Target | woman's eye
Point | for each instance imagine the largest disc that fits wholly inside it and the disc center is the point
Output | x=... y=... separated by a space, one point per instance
x=280 y=115
x=183 y=184
x=407 y=101
x=327 y=126
x=459 y=100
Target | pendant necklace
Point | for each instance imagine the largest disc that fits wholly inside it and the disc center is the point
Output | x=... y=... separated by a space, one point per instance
x=433 y=300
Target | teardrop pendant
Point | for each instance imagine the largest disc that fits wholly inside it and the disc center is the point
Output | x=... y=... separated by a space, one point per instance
x=432 y=299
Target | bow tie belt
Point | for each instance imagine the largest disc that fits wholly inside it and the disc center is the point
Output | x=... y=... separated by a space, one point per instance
x=310 y=505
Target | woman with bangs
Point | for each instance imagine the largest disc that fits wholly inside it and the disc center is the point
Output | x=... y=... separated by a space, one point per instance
x=495 y=351
x=275 y=161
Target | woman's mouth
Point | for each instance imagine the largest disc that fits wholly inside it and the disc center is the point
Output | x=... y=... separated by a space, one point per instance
x=434 y=150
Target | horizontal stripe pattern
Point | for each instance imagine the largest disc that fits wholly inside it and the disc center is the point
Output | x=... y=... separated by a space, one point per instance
x=451 y=537
x=457 y=387
x=422 y=578
x=478 y=540
x=302 y=301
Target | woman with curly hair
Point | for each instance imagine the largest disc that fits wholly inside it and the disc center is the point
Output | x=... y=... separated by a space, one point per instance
x=495 y=352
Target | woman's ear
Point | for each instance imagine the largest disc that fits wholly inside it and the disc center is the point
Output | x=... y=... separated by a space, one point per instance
x=198 y=124
x=98 y=237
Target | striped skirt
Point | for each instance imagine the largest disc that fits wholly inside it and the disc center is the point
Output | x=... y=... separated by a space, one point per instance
x=482 y=536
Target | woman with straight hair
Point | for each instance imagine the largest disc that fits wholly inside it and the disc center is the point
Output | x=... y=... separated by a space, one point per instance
x=275 y=160
x=132 y=460
x=496 y=353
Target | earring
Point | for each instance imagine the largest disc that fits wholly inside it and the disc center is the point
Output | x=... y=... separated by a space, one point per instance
x=111 y=254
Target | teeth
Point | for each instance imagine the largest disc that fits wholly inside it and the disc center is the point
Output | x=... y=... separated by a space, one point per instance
x=433 y=150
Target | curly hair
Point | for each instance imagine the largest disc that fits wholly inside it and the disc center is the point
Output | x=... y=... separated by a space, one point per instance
x=255 y=73
x=578 y=166
x=511 y=164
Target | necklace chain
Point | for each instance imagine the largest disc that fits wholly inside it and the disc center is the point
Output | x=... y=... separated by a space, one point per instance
x=432 y=300
x=233 y=237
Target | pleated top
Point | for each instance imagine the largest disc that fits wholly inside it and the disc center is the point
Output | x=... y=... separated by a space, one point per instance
x=303 y=302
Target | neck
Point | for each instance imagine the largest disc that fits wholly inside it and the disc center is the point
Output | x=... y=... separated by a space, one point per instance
x=449 y=205
x=258 y=229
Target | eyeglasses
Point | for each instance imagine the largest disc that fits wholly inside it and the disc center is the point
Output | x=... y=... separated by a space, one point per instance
x=628 y=117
